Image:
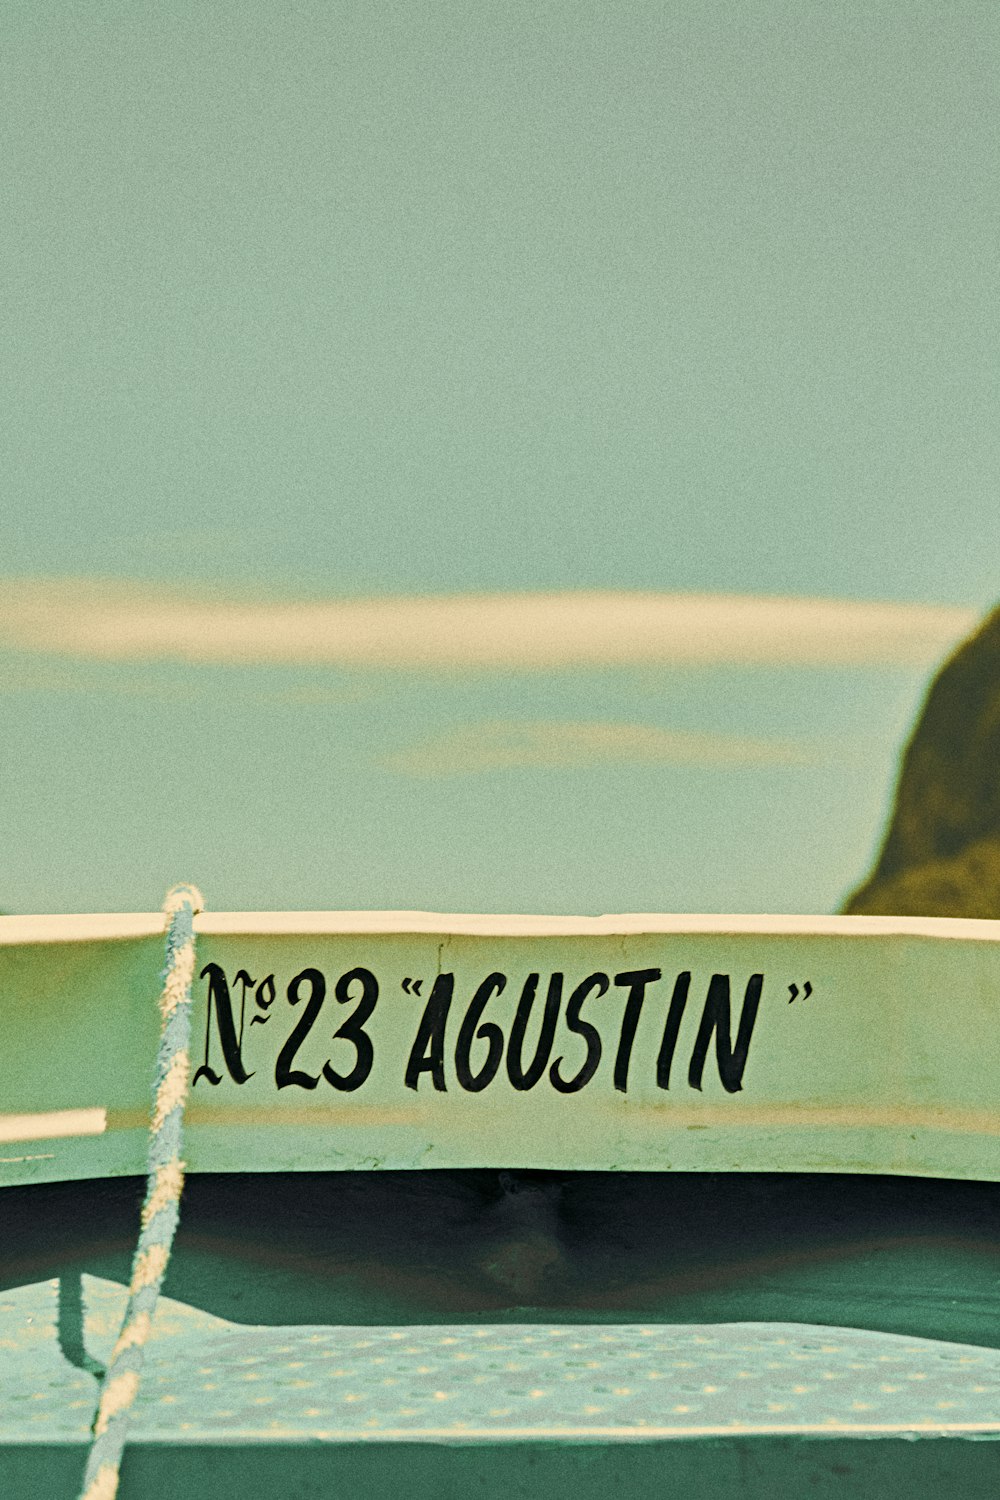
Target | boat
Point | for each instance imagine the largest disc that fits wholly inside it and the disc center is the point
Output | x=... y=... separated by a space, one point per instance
x=480 y=1204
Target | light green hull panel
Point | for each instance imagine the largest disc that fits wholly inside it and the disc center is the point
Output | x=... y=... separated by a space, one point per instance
x=850 y=1044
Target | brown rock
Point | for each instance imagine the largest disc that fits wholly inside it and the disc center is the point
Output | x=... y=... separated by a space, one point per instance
x=941 y=855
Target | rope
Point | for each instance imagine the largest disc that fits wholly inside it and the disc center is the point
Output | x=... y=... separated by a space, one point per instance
x=161 y=1209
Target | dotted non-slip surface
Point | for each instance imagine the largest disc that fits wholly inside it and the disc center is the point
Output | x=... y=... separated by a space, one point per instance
x=207 y=1380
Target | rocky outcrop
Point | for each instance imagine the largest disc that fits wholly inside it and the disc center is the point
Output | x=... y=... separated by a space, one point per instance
x=941 y=855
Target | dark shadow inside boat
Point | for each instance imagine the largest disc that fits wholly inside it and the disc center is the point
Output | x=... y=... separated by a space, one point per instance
x=902 y=1255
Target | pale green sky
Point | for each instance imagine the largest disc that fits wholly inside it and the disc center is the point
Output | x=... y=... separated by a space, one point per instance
x=325 y=299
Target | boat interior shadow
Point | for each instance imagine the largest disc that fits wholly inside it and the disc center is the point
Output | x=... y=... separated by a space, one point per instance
x=901 y=1255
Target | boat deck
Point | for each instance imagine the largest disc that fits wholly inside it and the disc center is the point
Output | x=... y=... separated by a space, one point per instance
x=320 y=1331
x=208 y=1380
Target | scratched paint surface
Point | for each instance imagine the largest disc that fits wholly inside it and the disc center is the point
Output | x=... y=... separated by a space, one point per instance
x=208 y=1379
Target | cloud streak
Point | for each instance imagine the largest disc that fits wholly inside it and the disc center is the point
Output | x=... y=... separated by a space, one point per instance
x=473 y=632
x=505 y=745
x=96 y=679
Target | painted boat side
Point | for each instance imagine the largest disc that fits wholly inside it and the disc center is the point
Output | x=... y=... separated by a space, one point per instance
x=679 y=1044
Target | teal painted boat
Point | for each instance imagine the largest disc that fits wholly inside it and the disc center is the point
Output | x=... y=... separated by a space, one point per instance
x=521 y=1205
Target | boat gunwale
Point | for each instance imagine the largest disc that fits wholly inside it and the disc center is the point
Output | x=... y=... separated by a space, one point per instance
x=105 y=926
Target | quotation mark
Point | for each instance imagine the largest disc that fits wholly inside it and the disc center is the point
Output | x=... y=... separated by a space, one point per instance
x=416 y=983
x=793 y=991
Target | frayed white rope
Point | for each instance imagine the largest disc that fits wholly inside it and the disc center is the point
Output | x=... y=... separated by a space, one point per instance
x=104 y=1485
x=161 y=1208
